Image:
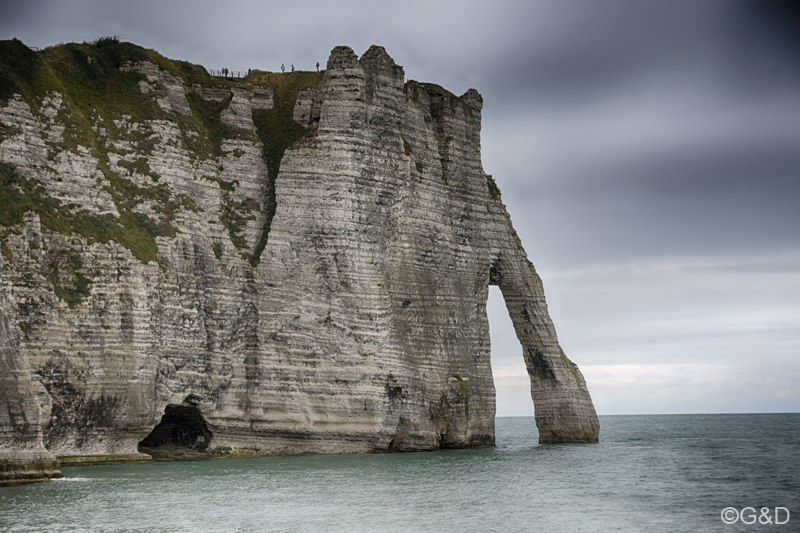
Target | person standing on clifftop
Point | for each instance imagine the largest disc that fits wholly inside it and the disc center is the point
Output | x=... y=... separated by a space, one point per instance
x=292 y=68
x=317 y=66
x=283 y=68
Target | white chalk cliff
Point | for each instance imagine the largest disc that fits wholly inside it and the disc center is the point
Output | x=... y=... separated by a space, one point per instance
x=164 y=251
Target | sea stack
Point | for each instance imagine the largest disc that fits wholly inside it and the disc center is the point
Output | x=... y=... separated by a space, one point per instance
x=282 y=263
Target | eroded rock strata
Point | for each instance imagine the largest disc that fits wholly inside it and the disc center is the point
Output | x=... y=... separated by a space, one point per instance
x=287 y=263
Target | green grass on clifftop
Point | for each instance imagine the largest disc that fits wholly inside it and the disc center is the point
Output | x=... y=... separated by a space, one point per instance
x=18 y=65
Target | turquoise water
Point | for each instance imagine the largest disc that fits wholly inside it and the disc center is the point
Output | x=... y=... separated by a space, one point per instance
x=661 y=473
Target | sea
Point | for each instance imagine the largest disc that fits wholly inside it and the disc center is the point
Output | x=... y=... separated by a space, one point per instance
x=653 y=473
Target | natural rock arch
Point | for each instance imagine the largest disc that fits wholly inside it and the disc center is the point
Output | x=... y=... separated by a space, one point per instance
x=563 y=407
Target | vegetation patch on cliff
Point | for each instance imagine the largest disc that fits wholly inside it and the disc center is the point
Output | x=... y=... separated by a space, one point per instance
x=140 y=166
x=134 y=230
x=8 y=255
x=202 y=133
x=18 y=65
x=94 y=89
x=235 y=215
x=437 y=95
x=277 y=131
x=139 y=230
x=276 y=127
x=97 y=95
x=69 y=283
x=96 y=99
x=463 y=384
x=572 y=366
x=8 y=131
x=494 y=190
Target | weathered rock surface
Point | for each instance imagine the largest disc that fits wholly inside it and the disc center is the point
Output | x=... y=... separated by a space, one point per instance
x=23 y=457
x=333 y=303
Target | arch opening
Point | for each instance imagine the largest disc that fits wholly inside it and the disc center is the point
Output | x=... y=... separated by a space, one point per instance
x=182 y=426
x=511 y=381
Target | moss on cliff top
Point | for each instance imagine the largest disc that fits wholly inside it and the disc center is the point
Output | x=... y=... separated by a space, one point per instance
x=18 y=65
x=430 y=88
x=435 y=92
x=93 y=91
x=90 y=79
x=92 y=83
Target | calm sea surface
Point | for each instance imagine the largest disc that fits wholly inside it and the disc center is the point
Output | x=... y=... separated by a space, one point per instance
x=662 y=473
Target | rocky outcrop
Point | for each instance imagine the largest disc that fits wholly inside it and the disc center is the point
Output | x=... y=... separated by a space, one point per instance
x=23 y=458
x=290 y=263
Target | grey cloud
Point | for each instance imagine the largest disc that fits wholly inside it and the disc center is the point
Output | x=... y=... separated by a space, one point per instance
x=619 y=131
x=607 y=46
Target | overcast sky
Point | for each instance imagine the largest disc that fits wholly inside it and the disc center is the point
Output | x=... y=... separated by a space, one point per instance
x=648 y=152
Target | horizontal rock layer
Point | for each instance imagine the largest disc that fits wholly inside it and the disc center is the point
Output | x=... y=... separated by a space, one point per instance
x=302 y=261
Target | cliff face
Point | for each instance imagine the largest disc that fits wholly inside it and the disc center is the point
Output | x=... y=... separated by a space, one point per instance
x=288 y=263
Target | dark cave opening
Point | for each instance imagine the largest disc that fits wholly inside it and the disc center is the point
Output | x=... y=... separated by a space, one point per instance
x=182 y=426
